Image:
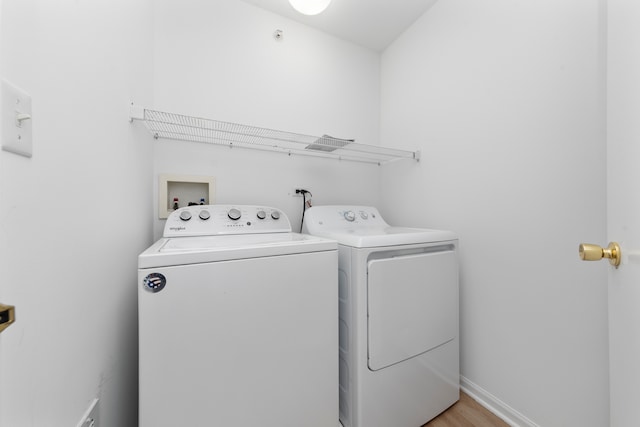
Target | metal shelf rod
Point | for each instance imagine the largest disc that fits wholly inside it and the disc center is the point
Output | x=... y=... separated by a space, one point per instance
x=188 y=128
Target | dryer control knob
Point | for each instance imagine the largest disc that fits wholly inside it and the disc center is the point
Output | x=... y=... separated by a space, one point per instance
x=185 y=215
x=261 y=215
x=204 y=215
x=275 y=215
x=350 y=216
x=364 y=215
x=234 y=214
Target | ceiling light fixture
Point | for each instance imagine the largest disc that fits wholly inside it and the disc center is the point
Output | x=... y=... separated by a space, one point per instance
x=310 y=7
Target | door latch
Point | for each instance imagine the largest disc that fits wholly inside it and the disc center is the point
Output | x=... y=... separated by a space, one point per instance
x=7 y=316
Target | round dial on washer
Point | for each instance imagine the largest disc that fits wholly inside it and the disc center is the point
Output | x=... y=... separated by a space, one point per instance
x=364 y=215
x=204 y=215
x=185 y=215
x=275 y=215
x=350 y=216
x=234 y=214
x=261 y=215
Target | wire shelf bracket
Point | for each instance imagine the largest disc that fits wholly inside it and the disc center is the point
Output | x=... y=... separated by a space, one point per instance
x=195 y=129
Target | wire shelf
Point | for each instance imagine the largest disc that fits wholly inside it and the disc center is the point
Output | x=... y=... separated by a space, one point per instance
x=195 y=129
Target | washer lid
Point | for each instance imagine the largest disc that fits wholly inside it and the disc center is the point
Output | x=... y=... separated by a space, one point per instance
x=195 y=250
x=364 y=227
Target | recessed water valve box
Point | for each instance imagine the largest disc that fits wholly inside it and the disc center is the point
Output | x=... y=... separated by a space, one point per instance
x=178 y=191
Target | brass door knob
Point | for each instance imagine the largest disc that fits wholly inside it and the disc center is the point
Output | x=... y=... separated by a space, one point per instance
x=589 y=252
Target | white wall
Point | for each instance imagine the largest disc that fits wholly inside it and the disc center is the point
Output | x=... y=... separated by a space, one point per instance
x=74 y=217
x=219 y=60
x=506 y=101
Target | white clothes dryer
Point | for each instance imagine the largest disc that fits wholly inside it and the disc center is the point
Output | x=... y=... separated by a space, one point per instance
x=238 y=322
x=399 y=344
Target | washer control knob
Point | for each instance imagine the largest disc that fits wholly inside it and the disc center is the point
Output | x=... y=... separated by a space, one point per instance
x=364 y=215
x=275 y=215
x=234 y=214
x=185 y=215
x=261 y=215
x=350 y=216
x=204 y=215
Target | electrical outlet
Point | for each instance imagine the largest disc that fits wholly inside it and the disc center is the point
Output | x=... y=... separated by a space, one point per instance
x=90 y=417
x=292 y=192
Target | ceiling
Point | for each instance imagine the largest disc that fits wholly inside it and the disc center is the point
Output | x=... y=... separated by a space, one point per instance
x=370 y=23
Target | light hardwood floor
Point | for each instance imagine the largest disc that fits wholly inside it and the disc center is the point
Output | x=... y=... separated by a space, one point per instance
x=466 y=413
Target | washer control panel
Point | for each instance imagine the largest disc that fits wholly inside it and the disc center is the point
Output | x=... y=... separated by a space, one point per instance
x=342 y=218
x=210 y=220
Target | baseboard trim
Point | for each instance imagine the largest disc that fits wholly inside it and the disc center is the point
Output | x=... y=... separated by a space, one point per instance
x=495 y=405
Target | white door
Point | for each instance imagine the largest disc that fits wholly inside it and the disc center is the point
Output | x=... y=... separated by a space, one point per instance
x=1 y=275
x=623 y=162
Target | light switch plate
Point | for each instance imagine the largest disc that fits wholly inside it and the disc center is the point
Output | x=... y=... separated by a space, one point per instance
x=16 y=120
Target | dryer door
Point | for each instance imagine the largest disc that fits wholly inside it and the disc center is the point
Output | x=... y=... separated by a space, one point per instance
x=412 y=305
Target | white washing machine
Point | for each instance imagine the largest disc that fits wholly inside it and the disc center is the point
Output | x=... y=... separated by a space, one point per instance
x=238 y=322
x=399 y=345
